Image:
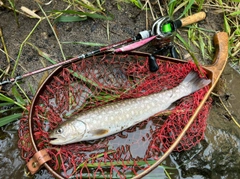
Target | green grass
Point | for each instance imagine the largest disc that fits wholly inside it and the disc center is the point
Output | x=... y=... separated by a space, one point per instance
x=9 y=106
x=12 y=3
x=137 y=3
x=200 y=38
x=90 y=164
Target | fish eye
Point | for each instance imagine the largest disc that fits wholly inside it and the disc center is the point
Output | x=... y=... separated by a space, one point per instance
x=59 y=131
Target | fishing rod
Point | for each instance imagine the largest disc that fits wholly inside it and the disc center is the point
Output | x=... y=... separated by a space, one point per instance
x=163 y=28
x=141 y=35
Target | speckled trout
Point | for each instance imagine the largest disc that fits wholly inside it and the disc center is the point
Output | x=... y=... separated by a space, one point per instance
x=115 y=117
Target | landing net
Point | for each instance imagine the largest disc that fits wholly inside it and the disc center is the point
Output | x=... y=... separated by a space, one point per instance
x=103 y=79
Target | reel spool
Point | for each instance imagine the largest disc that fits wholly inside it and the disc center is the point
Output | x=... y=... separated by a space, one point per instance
x=165 y=29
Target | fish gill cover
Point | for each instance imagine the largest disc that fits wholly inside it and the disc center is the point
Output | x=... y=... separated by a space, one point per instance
x=98 y=80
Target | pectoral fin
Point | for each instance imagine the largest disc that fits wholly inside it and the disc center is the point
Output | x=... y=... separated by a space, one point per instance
x=99 y=132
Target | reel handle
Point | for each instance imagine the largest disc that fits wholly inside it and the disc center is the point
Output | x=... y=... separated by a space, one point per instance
x=192 y=19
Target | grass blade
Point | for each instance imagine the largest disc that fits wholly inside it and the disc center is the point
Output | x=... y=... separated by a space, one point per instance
x=137 y=3
x=17 y=95
x=63 y=18
x=10 y=118
x=86 y=43
x=42 y=54
x=202 y=45
x=88 y=5
x=6 y=99
x=189 y=50
x=92 y=15
x=9 y=100
x=171 y=7
x=186 y=9
x=235 y=13
x=226 y=25
x=51 y=26
x=100 y=5
x=11 y=2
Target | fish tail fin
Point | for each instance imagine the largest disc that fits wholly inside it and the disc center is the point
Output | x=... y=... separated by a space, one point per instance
x=194 y=82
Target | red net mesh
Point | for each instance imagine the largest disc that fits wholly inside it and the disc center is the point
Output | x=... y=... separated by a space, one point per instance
x=96 y=81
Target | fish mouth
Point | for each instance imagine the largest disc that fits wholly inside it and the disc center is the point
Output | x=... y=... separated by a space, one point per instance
x=54 y=140
x=59 y=141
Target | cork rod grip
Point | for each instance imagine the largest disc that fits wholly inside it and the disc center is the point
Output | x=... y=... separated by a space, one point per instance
x=193 y=18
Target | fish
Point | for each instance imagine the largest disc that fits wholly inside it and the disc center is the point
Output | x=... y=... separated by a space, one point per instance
x=109 y=119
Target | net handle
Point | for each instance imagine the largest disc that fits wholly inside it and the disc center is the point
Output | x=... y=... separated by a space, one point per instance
x=221 y=43
x=214 y=72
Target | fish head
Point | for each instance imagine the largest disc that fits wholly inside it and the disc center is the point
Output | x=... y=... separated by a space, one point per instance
x=68 y=132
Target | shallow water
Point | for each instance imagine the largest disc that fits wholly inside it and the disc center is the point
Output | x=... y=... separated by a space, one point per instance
x=217 y=156
x=11 y=165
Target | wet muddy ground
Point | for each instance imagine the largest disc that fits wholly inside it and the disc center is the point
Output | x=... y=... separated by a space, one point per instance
x=217 y=156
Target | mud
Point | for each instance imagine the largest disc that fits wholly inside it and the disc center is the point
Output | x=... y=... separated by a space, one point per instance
x=217 y=156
